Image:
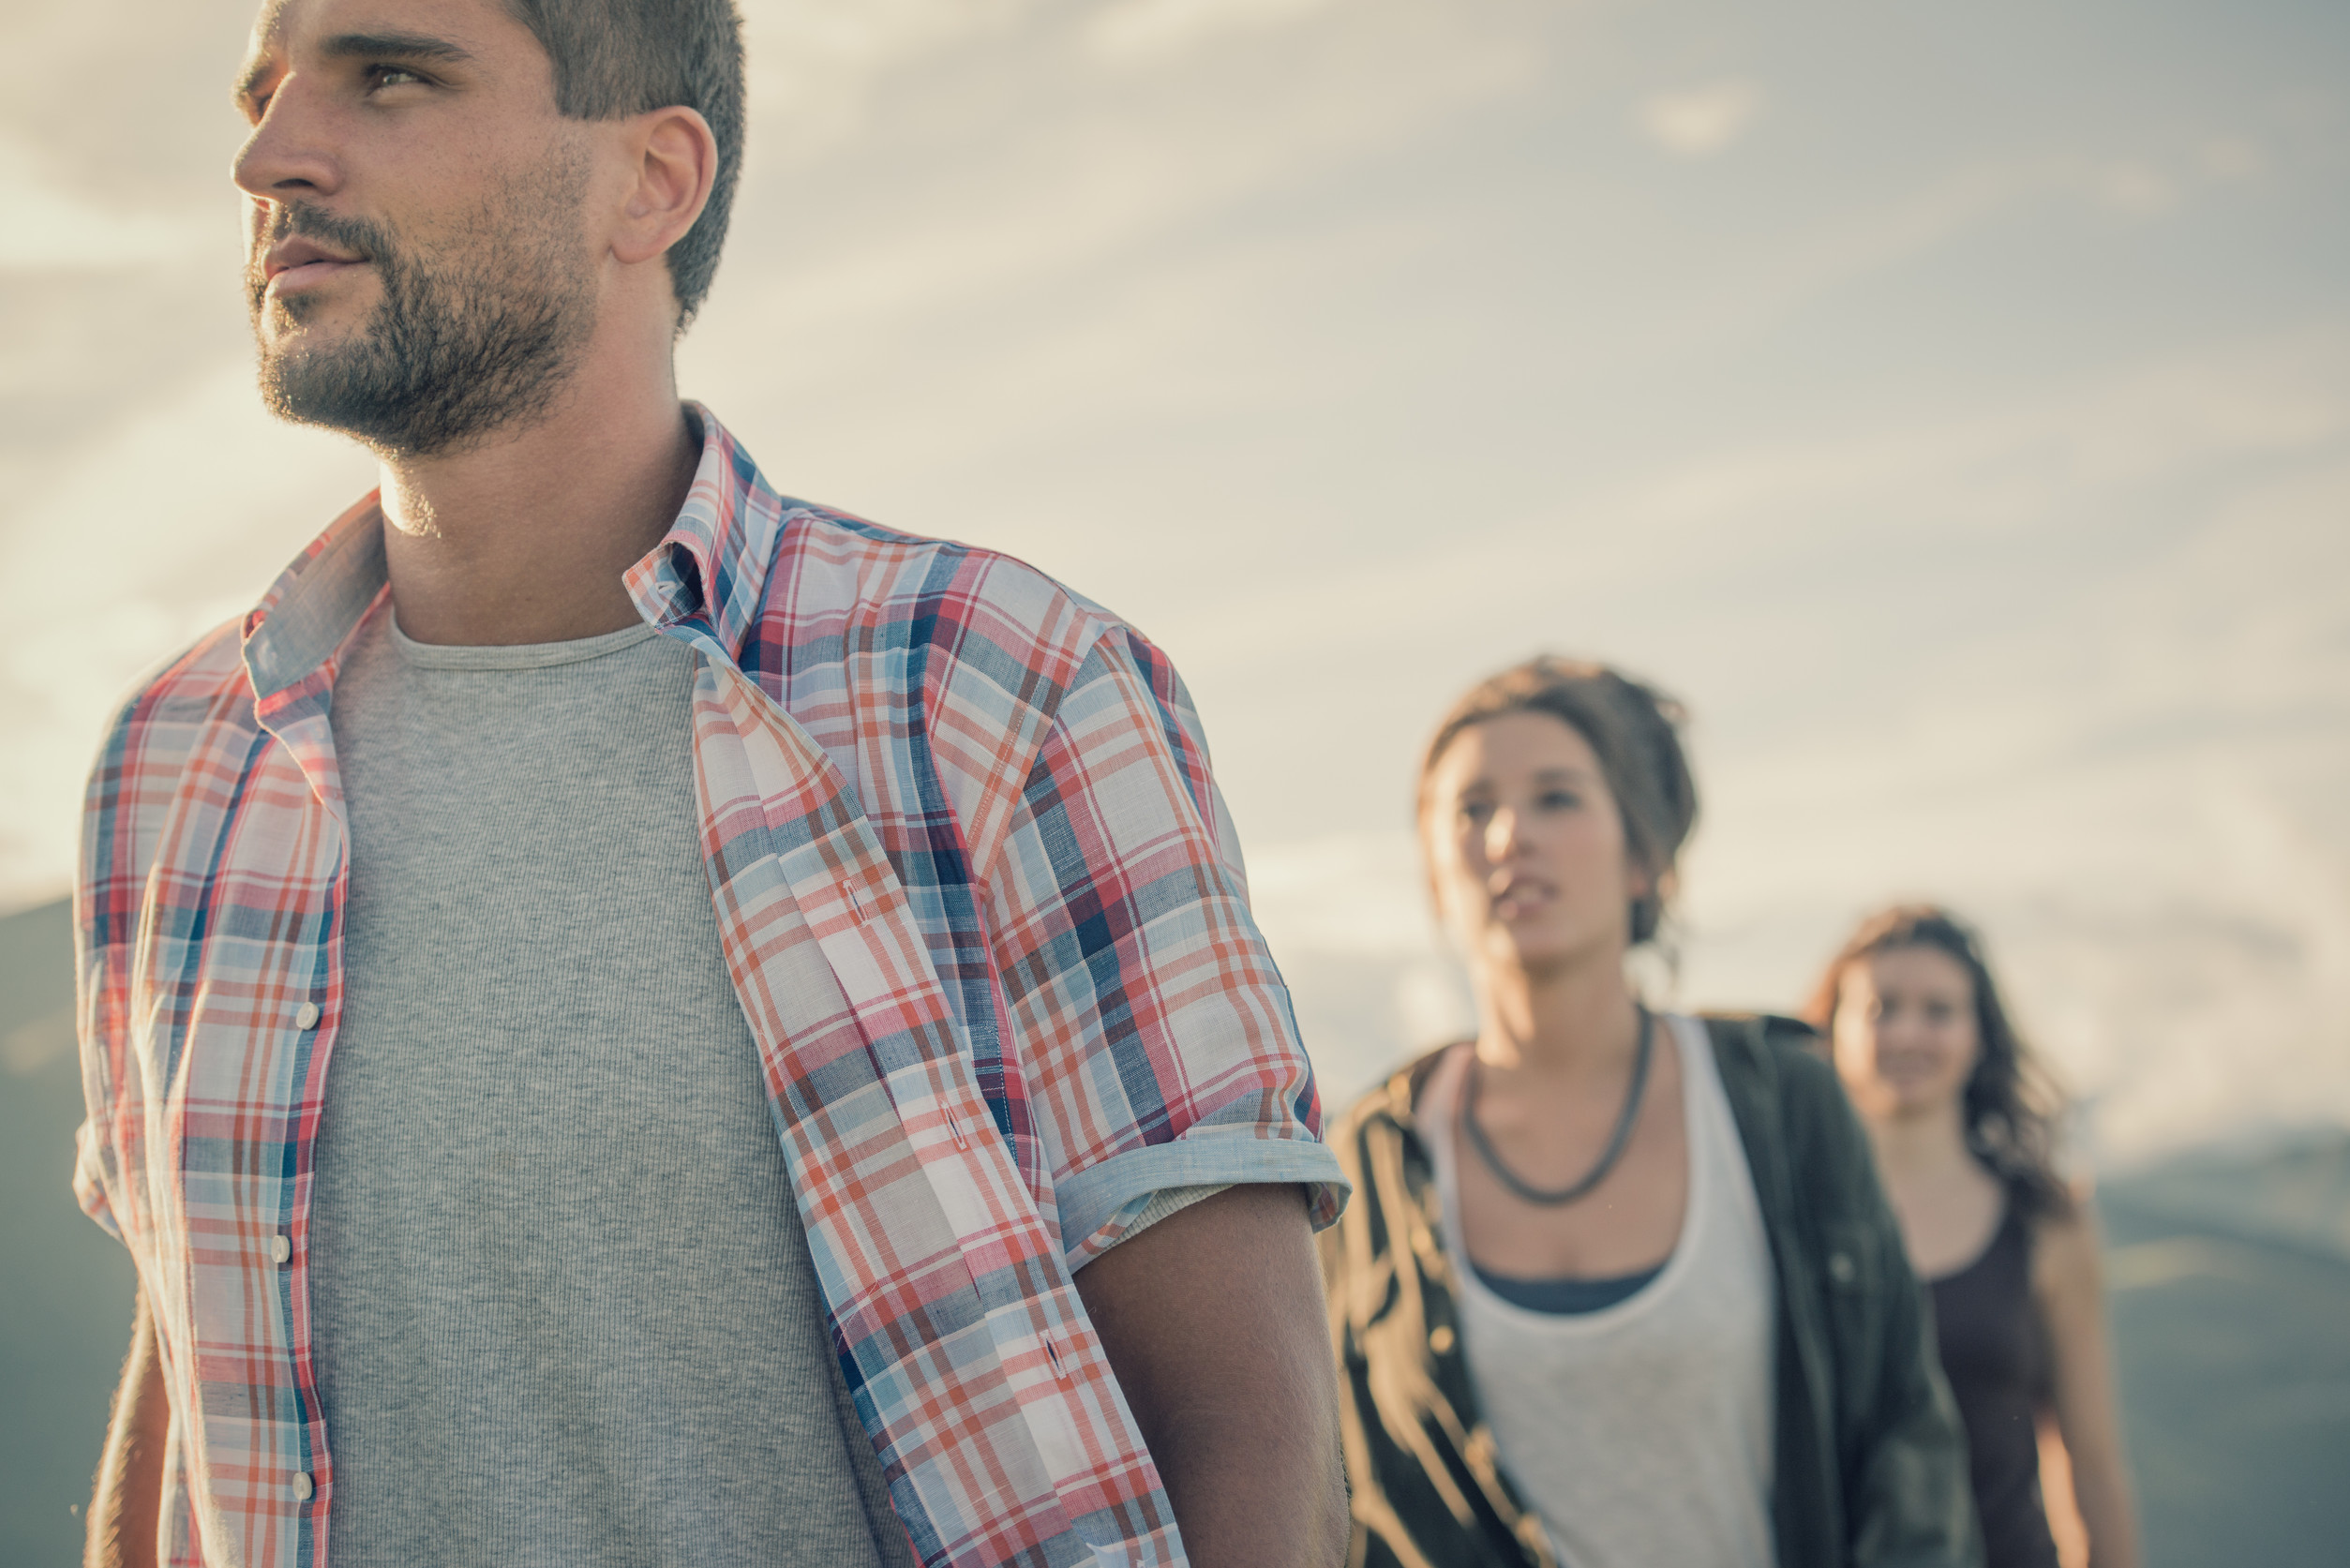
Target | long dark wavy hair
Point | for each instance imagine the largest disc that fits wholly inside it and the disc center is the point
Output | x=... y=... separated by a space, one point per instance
x=2011 y=1103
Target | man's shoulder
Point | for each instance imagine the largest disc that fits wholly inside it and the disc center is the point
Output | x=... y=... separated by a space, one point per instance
x=181 y=691
x=145 y=746
x=904 y=572
x=990 y=613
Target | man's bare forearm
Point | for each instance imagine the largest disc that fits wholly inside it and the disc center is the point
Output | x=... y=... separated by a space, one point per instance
x=126 y=1502
x=1213 y=1319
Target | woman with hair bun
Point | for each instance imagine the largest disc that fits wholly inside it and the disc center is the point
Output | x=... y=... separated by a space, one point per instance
x=1961 y=1118
x=1617 y=1288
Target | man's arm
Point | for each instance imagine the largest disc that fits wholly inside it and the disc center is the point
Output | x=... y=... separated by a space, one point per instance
x=1213 y=1319
x=126 y=1504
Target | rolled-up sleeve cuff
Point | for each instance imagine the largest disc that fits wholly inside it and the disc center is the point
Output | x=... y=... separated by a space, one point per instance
x=1099 y=1204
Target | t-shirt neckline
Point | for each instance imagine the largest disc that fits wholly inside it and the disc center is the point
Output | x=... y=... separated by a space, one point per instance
x=511 y=656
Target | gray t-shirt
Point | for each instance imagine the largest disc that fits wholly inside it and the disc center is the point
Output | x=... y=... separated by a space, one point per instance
x=563 y=1309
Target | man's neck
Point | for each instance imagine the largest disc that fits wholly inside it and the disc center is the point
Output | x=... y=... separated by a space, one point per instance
x=525 y=539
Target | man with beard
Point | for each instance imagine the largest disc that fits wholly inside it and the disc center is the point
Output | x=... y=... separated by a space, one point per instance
x=805 y=1086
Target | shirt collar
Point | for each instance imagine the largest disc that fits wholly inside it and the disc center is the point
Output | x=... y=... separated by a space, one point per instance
x=315 y=603
x=706 y=579
x=703 y=583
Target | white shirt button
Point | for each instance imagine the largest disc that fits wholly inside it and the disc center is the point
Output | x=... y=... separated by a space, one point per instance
x=279 y=1249
x=302 y=1484
x=306 y=1016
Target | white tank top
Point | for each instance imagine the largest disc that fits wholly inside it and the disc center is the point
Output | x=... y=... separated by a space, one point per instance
x=1640 y=1433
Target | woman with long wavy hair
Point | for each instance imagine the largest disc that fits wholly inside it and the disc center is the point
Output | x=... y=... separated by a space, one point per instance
x=1617 y=1288
x=1962 y=1120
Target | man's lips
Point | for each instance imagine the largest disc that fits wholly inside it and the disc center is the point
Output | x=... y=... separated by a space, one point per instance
x=298 y=265
x=287 y=280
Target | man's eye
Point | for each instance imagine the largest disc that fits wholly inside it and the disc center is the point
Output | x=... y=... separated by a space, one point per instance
x=393 y=75
x=1561 y=800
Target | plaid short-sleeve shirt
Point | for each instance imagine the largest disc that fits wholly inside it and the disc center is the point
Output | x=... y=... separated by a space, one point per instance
x=984 y=912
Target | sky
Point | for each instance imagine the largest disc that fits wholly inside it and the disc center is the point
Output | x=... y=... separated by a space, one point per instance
x=1951 y=405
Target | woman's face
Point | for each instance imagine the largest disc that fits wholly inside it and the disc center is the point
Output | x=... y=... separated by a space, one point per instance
x=1526 y=849
x=1905 y=1031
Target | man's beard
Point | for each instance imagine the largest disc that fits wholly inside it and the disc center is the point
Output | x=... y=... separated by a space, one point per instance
x=469 y=338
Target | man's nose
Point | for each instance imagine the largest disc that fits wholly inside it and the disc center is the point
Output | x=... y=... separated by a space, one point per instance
x=289 y=153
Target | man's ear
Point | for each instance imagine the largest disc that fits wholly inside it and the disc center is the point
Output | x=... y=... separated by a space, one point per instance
x=674 y=160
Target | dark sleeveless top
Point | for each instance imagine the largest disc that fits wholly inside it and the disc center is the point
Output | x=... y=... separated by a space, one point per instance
x=1994 y=1353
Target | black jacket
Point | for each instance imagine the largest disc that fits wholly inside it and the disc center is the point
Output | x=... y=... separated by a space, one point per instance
x=1871 y=1464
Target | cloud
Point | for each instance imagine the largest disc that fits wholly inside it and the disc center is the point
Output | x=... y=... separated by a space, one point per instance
x=1358 y=894
x=131 y=100
x=1857 y=500
x=51 y=226
x=1810 y=261
x=2231 y=159
x=1028 y=253
x=30 y=1048
x=1128 y=32
x=2128 y=774
x=1350 y=351
x=2137 y=190
x=1699 y=122
x=814 y=66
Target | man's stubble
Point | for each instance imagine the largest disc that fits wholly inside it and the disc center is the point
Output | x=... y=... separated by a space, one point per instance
x=475 y=333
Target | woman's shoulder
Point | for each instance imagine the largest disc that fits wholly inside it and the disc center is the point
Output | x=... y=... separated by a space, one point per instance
x=1785 y=1092
x=2061 y=1230
x=1772 y=1031
x=1770 y=1052
x=1388 y=1104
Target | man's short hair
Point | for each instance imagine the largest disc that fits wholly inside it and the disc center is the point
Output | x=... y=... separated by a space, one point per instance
x=615 y=58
